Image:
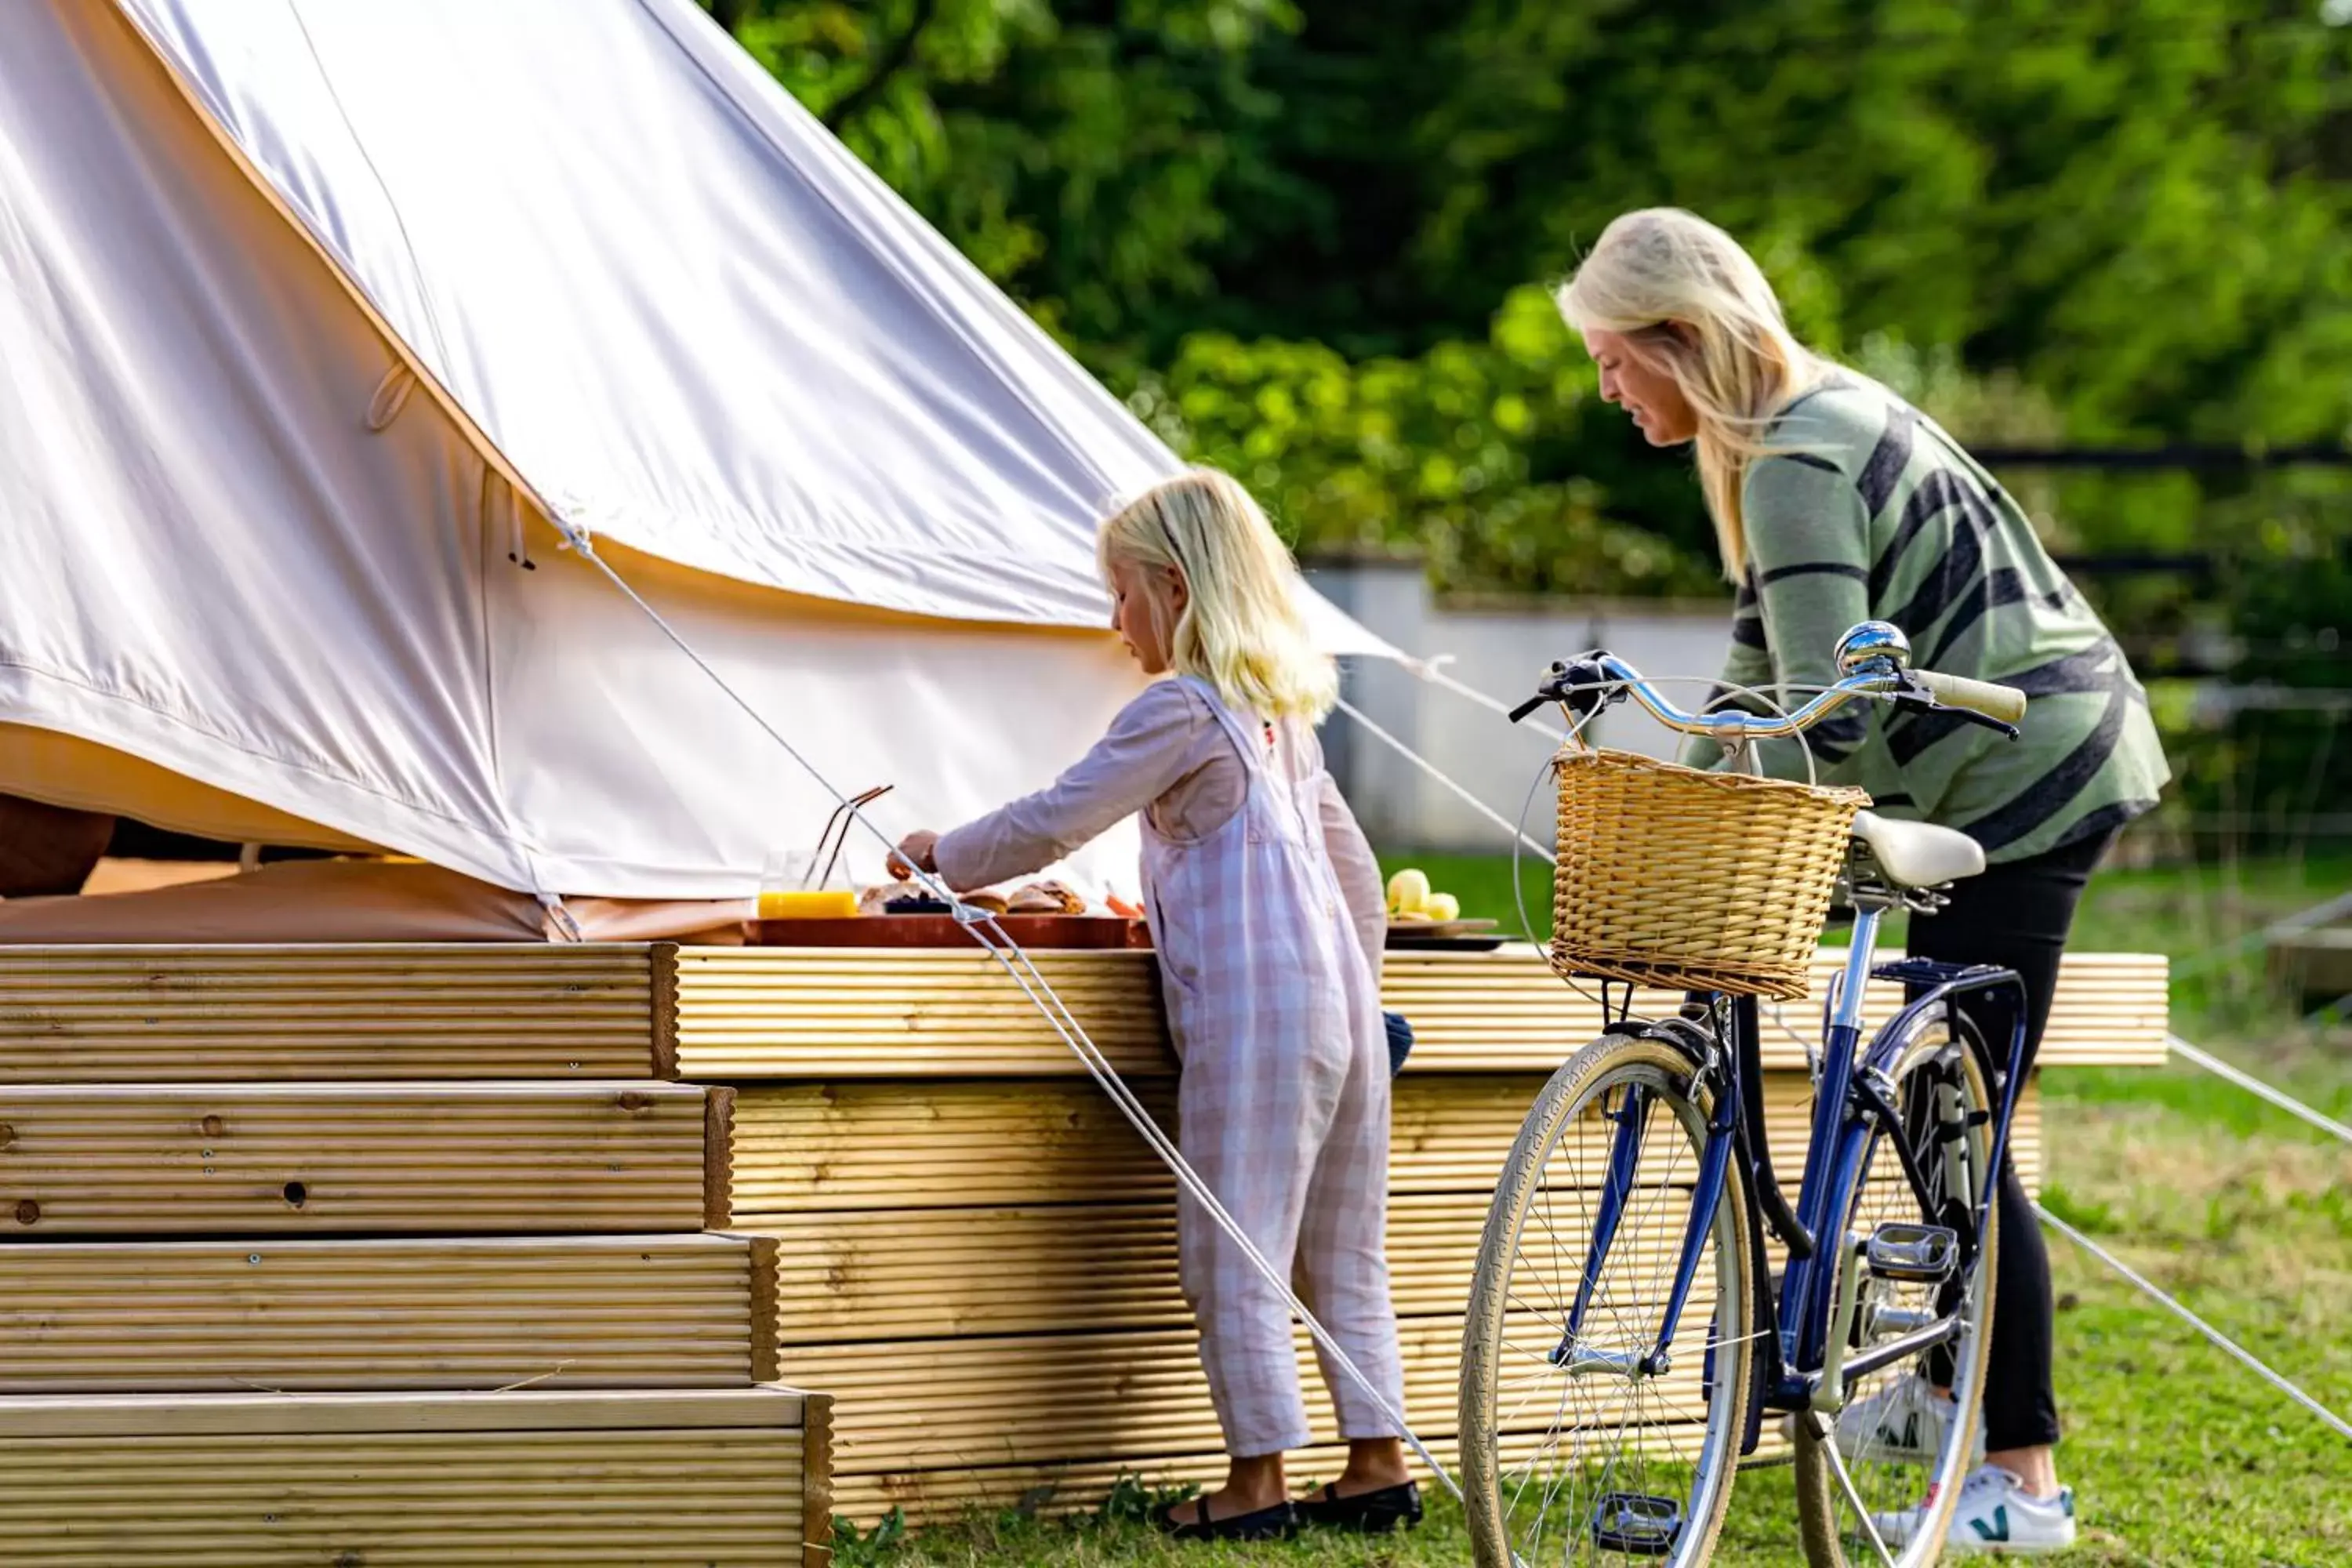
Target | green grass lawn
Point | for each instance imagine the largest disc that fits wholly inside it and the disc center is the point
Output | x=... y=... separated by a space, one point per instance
x=2177 y=1454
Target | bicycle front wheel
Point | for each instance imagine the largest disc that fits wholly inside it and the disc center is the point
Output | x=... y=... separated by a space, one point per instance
x=1892 y=1458
x=1573 y=1451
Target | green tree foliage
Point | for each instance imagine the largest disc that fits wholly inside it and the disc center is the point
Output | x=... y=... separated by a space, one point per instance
x=1310 y=241
x=1462 y=453
x=2090 y=219
x=1090 y=157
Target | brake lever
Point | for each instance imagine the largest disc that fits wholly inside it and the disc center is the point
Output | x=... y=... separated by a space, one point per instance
x=1998 y=726
x=1917 y=703
x=1584 y=686
x=1549 y=691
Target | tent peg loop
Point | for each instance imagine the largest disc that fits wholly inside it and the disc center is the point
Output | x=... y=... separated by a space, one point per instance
x=391 y=396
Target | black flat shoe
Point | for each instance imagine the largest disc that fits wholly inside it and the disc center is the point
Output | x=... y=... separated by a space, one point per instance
x=1366 y=1513
x=1190 y=1520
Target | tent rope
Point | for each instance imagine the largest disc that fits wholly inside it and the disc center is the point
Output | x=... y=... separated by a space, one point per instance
x=2256 y=1087
x=1517 y=832
x=983 y=930
x=2154 y=1293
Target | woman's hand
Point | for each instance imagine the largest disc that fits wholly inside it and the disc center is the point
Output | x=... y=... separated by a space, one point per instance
x=914 y=854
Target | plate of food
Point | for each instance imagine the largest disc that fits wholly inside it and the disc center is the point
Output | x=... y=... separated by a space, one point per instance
x=1422 y=918
x=1043 y=915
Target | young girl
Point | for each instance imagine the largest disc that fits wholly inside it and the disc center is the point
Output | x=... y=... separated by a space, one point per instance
x=1266 y=907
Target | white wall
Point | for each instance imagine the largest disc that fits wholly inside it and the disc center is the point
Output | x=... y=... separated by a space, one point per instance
x=1503 y=650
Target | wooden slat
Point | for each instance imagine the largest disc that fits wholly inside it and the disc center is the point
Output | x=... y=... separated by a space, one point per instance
x=750 y=1013
x=324 y=1159
x=159 y=1014
x=660 y=1311
x=756 y=1013
x=952 y=1404
x=926 y=1273
x=134 y=1416
x=522 y=1477
x=1010 y=1142
x=1507 y=1010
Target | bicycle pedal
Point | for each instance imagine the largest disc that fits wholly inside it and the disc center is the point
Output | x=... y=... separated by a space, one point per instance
x=1636 y=1525
x=1912 y=1253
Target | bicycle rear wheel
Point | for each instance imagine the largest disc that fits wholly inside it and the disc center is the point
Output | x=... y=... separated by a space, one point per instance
x=1906 y=1435
x=1571 y=1452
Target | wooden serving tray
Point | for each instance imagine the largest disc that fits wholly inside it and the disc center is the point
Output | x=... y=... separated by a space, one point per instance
x=1043 y=932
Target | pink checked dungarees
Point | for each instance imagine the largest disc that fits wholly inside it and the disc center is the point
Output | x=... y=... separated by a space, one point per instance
x=1284 y=1103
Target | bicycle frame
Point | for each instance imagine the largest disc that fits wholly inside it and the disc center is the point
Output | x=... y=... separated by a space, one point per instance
x=1805 y=1364
x=1805 y=1368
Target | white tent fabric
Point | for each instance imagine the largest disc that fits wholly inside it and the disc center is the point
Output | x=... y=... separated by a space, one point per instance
x=689 y=317
x=637 y=280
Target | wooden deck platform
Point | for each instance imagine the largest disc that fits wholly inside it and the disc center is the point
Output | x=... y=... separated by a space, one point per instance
x=953 y=1231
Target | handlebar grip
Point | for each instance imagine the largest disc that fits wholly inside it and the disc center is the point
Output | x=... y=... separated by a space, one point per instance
x=1529 y=706
x=2005 y=703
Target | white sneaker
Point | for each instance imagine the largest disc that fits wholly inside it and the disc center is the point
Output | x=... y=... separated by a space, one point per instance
x=1903 y=1424
x=1996 y=1515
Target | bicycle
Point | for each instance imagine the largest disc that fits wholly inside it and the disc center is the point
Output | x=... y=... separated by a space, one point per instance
x=1629 y=1227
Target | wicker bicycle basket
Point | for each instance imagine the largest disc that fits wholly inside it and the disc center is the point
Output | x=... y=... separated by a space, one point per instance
x=1674 y=877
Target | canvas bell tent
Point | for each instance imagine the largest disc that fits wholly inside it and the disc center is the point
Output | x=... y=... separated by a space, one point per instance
x=321 y=326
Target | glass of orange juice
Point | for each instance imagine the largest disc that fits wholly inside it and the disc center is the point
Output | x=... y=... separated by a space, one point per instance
x=791 y=888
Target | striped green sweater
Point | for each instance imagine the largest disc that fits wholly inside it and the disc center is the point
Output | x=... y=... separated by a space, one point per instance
x=1872 y=512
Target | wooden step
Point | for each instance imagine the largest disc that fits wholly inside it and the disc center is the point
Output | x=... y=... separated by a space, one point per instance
x=748 y=1013
x=177 y=1160
x=1008 y=1143
x=171 y=1014
x=825 y=1012
x=193 y=1014
x=600 y=1311
x=1509 y=1012
x=735 y=1477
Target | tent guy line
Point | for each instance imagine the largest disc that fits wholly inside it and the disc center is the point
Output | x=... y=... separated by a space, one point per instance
x=2224 y=1342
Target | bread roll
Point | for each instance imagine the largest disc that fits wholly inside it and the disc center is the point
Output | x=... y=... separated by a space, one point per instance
x=1047 y=899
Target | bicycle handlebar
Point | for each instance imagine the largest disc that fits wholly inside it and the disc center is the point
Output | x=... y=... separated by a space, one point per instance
x=2004 y=703
x=1875 y=657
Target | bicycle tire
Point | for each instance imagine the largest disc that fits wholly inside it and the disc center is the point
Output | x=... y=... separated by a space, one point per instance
x=1721 y=1307
x=1832 y=1533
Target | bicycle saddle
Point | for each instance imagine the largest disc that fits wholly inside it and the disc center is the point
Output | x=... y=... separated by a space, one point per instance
x=1918 y=854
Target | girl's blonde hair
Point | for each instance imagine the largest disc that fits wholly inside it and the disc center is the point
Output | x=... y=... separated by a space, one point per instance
x=1242 y=629
x=1691 y=302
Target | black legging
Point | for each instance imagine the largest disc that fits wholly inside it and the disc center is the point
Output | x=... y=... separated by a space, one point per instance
x=2017 y=915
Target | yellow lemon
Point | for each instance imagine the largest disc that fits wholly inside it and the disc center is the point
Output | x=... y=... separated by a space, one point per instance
x=1408 y=890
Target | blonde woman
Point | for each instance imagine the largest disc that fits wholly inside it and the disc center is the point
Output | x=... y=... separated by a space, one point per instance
x=1835 y=501
x=1266 y=907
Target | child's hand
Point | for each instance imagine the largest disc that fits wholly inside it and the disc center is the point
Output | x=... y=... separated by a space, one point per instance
x=914 y=854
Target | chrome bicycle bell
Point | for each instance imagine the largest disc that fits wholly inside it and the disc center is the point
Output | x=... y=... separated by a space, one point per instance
x=1868 y=644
